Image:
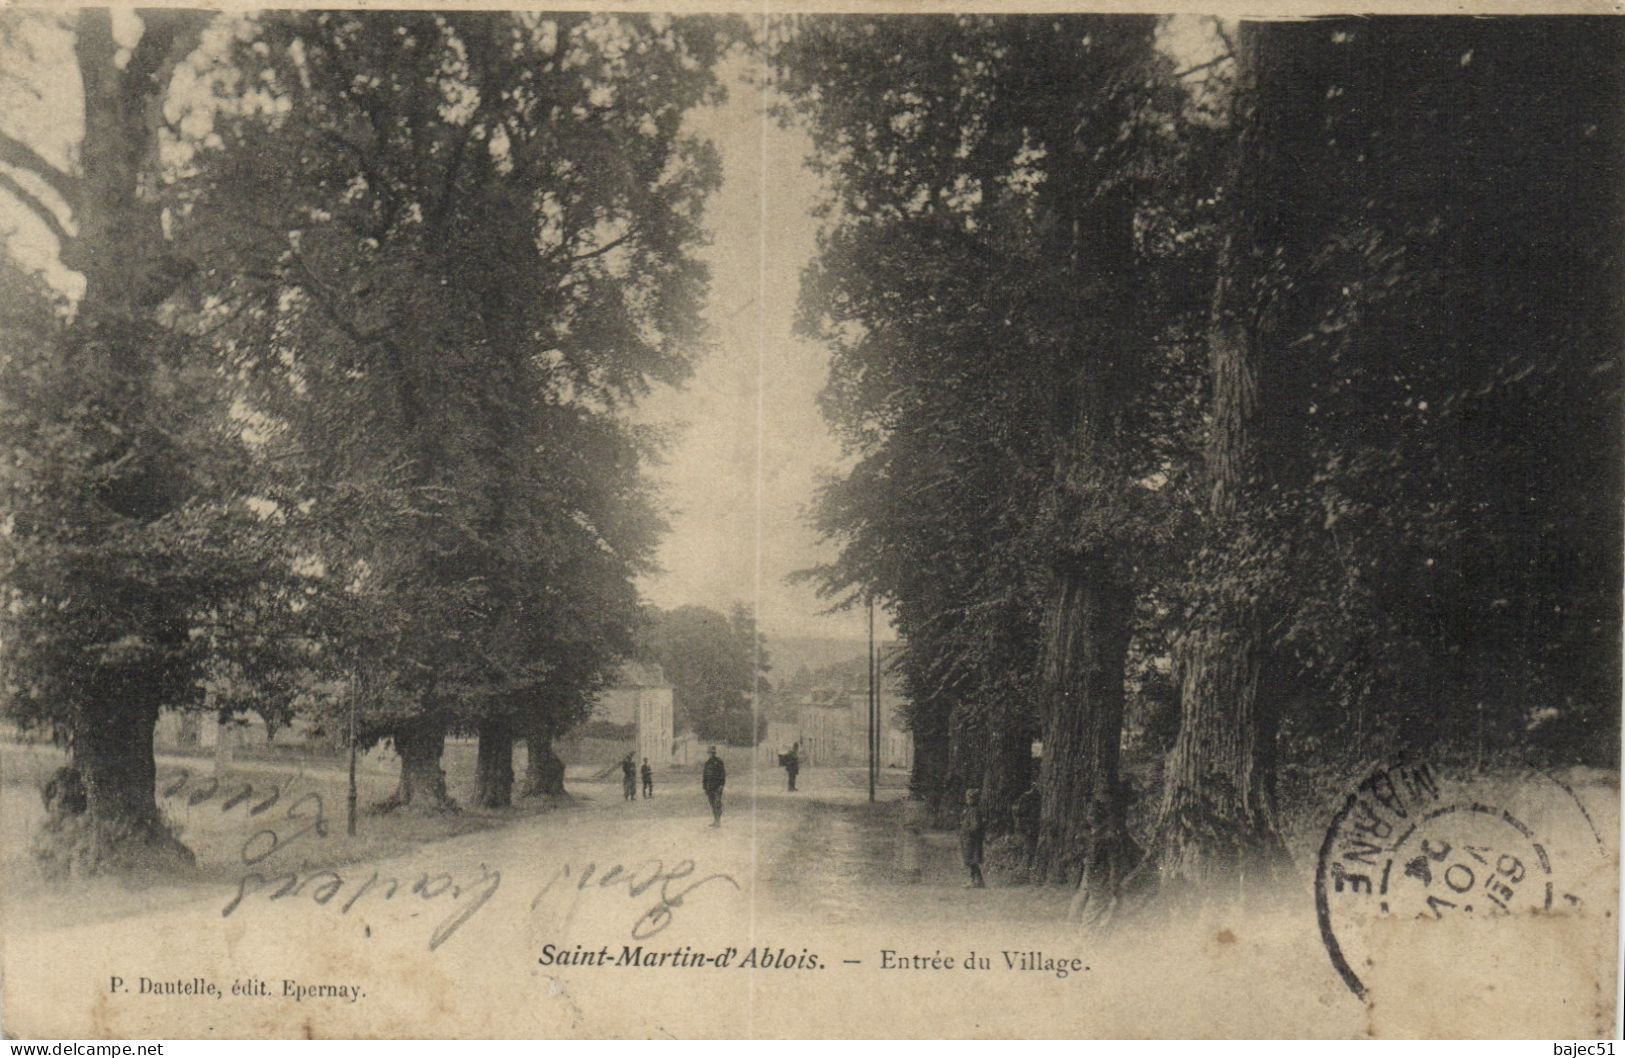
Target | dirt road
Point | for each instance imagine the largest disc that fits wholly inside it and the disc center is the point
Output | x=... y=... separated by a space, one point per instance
x=804 y=914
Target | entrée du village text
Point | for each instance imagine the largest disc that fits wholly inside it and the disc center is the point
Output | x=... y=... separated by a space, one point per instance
x=767 y=957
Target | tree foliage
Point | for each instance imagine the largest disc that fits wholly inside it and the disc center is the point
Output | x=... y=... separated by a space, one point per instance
x=1335 y=419
x=1007 y=418
x=341 y=413
x=135 y=573
x=716 y=664
x=450 y=251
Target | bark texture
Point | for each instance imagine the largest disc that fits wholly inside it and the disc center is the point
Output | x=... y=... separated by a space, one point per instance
x=422 y=786
x=101 y=812
x=1216 y=833
x=1083 y=838
x=544 y=771
x=928 y=776
x=493 y=769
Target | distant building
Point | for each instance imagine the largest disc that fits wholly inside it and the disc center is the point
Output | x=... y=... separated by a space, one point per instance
x=826 y=736
x=833 y=729
x=834 y=736
x=641 y=697
x=686 y=749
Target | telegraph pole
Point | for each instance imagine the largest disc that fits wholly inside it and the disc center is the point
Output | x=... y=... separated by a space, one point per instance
x=874 y=700
x=879 y=715
x=349 y=825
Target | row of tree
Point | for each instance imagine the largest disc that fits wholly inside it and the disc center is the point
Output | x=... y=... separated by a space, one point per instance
x=1249 y=395
x=337 y=420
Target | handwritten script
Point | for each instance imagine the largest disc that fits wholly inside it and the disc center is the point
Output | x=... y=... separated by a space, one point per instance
x=670 y=887
x=657 y=890
x=674 y=885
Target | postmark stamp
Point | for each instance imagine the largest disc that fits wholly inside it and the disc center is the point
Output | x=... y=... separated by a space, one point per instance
x=1411 y=845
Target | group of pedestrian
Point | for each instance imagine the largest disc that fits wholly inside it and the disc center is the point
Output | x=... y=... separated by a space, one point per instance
x=629 y=776
x=1024 y=811
x=713 y=777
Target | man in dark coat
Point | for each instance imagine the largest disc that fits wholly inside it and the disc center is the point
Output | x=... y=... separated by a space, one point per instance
x=629 y=781
x=712 y=780
x=972 y=831
x=792 y=765
x=648 y=779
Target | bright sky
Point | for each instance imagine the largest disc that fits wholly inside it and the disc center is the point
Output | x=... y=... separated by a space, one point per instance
x=752 y=442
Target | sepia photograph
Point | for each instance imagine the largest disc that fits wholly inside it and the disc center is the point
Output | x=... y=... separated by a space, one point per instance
x=767 y=523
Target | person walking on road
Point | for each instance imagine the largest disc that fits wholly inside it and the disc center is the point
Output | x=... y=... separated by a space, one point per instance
x=629 y=782
x=972 y=829
x=648 y=779
x=712 y=780
x=792 y=765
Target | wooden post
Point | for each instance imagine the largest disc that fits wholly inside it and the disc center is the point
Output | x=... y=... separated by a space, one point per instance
x=874 y=699
x=349 y=825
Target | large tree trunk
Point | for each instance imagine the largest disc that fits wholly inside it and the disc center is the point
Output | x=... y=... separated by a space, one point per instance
x=1215 y=832
x=928 y=777
x=544 y=771
x=493 y=770
x=101 y=812
x=422 y=784
x=1083 y=838
x=1009 y=769
x=119 y=245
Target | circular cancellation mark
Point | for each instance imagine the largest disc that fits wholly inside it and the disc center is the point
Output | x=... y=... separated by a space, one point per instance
x=1400 y=847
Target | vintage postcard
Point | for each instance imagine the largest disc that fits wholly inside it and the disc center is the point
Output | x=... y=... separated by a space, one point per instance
x=768 y=521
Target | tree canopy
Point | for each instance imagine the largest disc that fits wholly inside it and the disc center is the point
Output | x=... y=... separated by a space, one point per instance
x=1271 y=387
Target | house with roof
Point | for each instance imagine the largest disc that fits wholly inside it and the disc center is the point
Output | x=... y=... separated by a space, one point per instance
x=640 y=699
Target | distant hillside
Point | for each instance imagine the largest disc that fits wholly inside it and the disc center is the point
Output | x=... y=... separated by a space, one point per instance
x=791 y=652
x=821 y=656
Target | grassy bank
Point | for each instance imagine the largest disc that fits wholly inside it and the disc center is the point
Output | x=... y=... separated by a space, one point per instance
x=255 y=816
